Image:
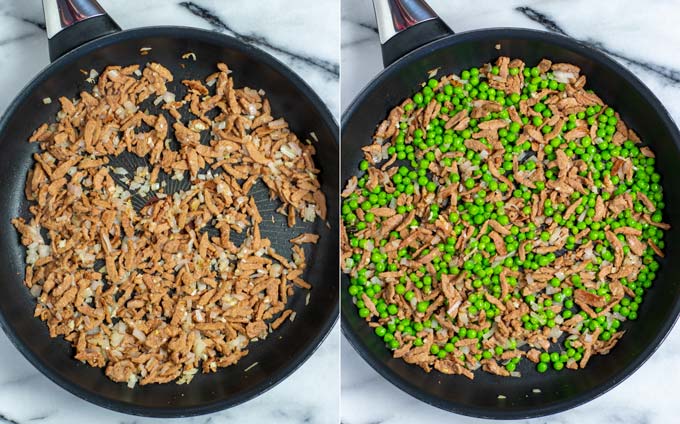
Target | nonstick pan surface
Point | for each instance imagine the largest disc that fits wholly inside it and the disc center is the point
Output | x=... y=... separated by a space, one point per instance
x=290 y=97
x=640 y=110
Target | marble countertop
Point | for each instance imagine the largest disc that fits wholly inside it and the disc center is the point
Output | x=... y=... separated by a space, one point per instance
x=642 y=36
x=306 y=39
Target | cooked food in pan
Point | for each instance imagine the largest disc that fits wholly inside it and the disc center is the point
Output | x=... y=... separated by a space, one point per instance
x=501 y=214
x=144 y=248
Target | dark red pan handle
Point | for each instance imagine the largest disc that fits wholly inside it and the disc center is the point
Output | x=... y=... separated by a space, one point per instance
x=405 y=25
x=70 y=23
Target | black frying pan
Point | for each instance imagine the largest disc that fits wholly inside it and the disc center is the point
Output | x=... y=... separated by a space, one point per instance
x=419 y=42
x=290 y=97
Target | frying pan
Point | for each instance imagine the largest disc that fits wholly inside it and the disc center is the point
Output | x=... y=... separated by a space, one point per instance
x=414 y=41
x=82 y=36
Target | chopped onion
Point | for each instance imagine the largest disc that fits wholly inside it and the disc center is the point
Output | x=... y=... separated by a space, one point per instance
x=116 y=338
x=555 y=332
x=454 y=307
x=169 y=97
x=499 y=259
x=132 y=381
x=554 y=237
x=139 y=335
x=36 y=290
x=75 y=190
x=129 y=106
x=457 y=78
x=288 y=152
x=199 y=345
x=44 y=250
x=550 y=290
x=588 y=253
x=309 y=213
x=564 y=77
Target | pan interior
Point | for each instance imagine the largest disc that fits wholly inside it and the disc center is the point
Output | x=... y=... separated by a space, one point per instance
x=640 y=110
x=291 y=99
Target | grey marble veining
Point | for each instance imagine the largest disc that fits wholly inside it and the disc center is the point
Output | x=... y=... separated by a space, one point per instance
x=306 y=38
x=643 y=36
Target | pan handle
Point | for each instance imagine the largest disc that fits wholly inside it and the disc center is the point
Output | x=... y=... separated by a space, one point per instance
x=70 y=23
x=405 y=25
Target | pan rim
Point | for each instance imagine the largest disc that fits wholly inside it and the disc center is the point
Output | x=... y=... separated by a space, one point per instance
x=583 y=50
x=205 y=36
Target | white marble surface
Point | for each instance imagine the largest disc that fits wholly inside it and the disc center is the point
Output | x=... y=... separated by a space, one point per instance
x=306 y=38
x=644 y=37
